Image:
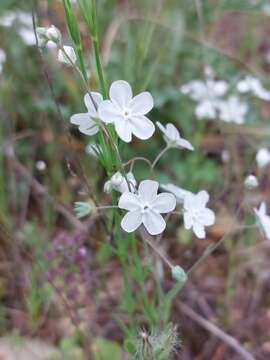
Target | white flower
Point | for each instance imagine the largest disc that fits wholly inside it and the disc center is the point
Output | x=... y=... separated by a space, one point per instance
x=196 y=214
x=233 y=110
x=263 y=157
x=27 y=35
x=2 y=59
x=145 y=208
x=207 y=93
x=87 y=122
x=127 y=113
x=68 y=57
x=251 y=182
x=253 y=85
x=173 y=138
x=120 y=184
x=264 y=219
x=178 y=192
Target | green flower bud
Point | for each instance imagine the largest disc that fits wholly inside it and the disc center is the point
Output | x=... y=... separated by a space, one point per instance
x=179 y=274
x=82 y=209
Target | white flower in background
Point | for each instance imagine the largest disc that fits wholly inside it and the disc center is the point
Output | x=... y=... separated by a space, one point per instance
x=253 y=85
x=178 y=192
x=251 y=182
x=233 y=110
x=263 y=157
x=120 y=184
x=2 y=59
x=41 y=165
x=88 y=122
x=22 y=20
x=145 y=208
x=27 y=36
x=68 y=56
x=196 y=214
x=264 y=219
x=173 y=138
x=207 y=94
x=46 y=34
x=127 y=113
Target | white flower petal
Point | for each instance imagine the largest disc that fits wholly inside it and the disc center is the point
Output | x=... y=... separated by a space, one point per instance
x=97 y=97
x=202 y=198
x=164 y=203
x=141 y=127
x=131 y=221
x=129 y=201
x=123 y=129
x=108 y=112
x=148 y=191
x=154 y=223
x=172 y=132
x=185 y=144
x=161 y=127
x=142 y=103
x=86 y=125
x=176 y=190
x=121 y=93
x=188 y=220
x=199 y=230
x=208 y=217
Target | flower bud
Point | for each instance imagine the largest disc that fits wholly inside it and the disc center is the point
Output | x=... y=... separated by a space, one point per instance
x=179 y=274
x=251 y=182
x=82 y=209
x=53 y=34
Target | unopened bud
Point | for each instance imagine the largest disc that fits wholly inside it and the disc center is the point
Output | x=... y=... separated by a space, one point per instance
x=251 y=182
x=179 y=274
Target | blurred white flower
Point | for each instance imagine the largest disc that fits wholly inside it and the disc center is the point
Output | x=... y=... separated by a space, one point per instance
x=145 y=208
x=207 y=94
x=263 y=157
x=251 y=182
x=264 y=219
x=173 y=138
x=41 y=165
x=233 y=110
x=87 y=122
x=120 y=184
x=27 y=35
x=68 y=56
x=178 y=192
x=46 y=34
x=127 y=113
x=196 y=214
x=2 y=59
x=254 y=86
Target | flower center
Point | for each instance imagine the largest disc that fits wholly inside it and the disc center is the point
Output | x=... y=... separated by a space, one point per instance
x=146 y=208
x=126 y=113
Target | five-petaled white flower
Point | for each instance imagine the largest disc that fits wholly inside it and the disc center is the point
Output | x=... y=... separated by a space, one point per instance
x=263 y=157
x=207 y=94
x=173 y=138
x=196 y=214
x=88 y=122
x=264 y=219
x=68 y=56
x=127 y=113
x=145 y=208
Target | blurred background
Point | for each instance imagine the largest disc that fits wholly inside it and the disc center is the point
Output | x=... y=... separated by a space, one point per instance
x=46 y=257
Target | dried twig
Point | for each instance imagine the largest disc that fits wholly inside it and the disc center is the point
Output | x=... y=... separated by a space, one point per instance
x=216 y=331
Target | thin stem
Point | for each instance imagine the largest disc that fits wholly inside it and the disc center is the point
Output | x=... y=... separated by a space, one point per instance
x=159 y=156
x=159 y=252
